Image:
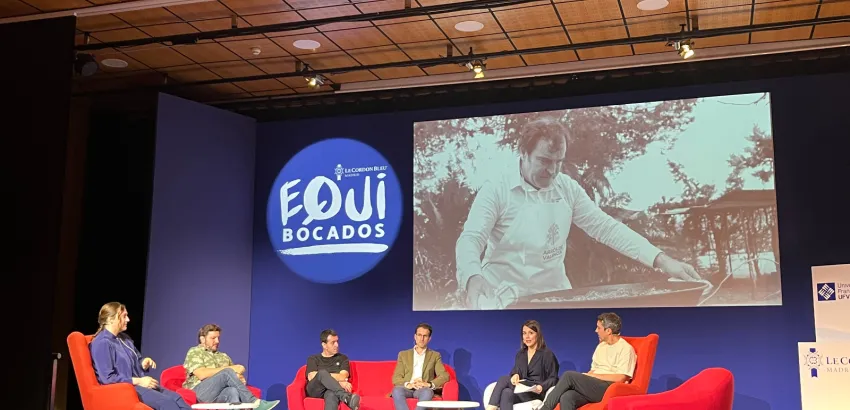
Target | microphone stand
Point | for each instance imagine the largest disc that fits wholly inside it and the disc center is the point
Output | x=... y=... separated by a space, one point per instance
x=56 y=357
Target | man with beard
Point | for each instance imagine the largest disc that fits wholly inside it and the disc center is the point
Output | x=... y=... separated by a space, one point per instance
x=213 y=377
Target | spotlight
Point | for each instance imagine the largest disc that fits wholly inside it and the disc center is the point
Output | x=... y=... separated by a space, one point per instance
x=85 y=64
x=684 y=48
x=315 y=81
x=477 y=67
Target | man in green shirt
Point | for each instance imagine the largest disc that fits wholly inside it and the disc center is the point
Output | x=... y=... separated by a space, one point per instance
x=212 y=375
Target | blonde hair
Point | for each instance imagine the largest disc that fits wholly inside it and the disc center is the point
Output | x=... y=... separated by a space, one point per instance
x=108 y=311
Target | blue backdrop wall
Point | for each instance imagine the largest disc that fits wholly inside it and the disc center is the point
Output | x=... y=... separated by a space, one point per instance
x=373 y=313
x=199 y=259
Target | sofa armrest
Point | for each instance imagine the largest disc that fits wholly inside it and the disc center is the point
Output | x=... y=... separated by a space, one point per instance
x=115 y=396
x=255 y=391
x=451 y=390
x=660 y=401
x=188 y=395
x=620 y=390
x=296 y=392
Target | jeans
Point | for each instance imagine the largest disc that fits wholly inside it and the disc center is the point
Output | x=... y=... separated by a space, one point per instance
x=401 y=394
x=574 y=390
x=161 y=399
x=324 y=386
x=504 y=397
x=223 y=387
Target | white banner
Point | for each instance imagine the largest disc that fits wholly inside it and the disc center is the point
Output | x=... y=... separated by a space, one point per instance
x=831 y=296
x=824 y=375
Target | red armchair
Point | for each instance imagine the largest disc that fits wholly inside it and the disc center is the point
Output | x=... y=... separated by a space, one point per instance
x=118 y=396
x=710 y=389
x=645 y=348
x=371 y=380
x=172 y=378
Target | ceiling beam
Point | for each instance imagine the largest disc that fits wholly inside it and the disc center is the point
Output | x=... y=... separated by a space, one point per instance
x=462 y=59
x=599 y=65
x=192 y=38
x=101 y=10
x=760 y=67
x=795 y=50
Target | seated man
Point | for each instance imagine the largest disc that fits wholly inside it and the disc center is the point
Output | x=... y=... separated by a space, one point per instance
x=212 y=375
x=613 y=361
x=327 y=374
x=418 y=371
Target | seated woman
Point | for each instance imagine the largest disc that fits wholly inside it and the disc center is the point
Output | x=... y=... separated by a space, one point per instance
x=116 y=360
x=535 y=366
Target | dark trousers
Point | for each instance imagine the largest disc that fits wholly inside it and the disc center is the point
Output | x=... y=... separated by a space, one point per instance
x=223 y=387
x=504 y=397
x=324 y=386
x=574 y=390
x=161 y=399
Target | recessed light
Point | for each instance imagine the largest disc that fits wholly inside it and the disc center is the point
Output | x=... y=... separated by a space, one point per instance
x=651 y=5
x=306 y=44
x=469 y=26
x=114 y=62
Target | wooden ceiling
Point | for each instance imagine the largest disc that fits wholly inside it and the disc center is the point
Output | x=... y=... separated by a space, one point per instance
x=349 y=44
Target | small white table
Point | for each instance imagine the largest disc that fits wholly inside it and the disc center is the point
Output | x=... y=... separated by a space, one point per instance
x=224 y=406
x=448 y=404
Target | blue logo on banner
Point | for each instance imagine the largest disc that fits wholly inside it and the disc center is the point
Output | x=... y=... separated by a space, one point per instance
x=826 y=291
x=334 y=210
x=813 y=360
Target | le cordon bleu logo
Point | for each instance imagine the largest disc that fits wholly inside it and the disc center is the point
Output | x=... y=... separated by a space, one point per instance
x=820 y=364
x=334 y=210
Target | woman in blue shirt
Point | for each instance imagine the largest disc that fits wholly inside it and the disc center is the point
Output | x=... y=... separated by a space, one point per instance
x=116 y=360
x=535 y=366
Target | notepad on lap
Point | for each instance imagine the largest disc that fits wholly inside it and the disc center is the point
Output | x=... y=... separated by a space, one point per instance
x=523 y=386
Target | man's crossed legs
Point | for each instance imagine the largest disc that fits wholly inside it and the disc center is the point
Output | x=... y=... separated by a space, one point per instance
x=324 y=386
x=574 y=390
x=225 y=387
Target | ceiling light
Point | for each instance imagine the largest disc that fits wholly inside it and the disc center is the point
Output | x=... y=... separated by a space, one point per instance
x=686 y=51
x=114 y=63
x=315 y=81
x=306 y=44
x=469 y=26
x=477 y=67
x=651 y=5
x=685 y=48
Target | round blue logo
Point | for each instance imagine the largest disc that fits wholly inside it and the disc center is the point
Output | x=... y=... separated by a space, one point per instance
x=334 y=210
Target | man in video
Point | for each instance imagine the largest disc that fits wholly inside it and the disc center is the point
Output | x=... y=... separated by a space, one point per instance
x=520 y=222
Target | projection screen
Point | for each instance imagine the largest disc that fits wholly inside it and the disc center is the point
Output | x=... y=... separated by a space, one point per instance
x=657 y=204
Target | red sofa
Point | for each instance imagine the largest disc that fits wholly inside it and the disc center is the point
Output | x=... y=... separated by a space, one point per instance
x=371 y=380
x=172 y=378
x=710 y=389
